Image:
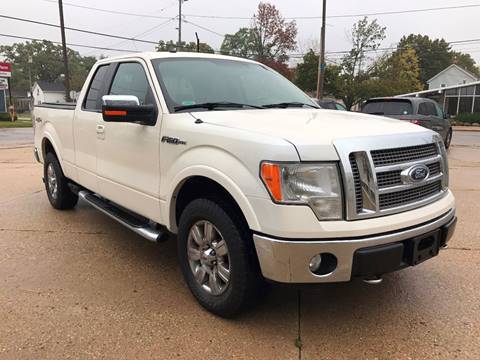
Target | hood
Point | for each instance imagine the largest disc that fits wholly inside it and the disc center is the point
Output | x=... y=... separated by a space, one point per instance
x=311 y=131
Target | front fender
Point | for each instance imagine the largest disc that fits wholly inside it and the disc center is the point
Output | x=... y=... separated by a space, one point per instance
x=217 y=163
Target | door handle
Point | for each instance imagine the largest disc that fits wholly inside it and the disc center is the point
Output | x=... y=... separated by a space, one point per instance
x=100 y=129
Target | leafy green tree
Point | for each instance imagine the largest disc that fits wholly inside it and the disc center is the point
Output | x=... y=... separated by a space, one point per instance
x=47 y=63
x=433 y=55
x=395 y=74
x=269 y=38
x=241 y=44
x=465 y=61
x=307 y=72
x=185 y=47
x=366 y=36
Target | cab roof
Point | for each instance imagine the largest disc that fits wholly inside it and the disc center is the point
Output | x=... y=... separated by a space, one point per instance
x=172 y=55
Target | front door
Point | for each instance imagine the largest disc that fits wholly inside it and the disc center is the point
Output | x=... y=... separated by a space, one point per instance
x=85 y=121
x=128 y=157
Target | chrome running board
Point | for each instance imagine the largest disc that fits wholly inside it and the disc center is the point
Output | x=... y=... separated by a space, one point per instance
x=128 y=220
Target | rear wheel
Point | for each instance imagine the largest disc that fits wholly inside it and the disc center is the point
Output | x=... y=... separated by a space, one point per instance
x=448 y=139
x=217 y=258
x=56 y=185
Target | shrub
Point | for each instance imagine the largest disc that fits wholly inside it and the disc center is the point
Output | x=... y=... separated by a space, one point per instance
x=469 y=117
x=5 y=117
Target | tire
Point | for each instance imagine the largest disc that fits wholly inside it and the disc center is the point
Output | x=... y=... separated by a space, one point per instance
x=448 y=139
x=244 y=285
x=56 y=185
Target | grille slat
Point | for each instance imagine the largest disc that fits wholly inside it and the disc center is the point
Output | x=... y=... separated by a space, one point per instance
x=356 y=181
x=403 y=197
x=392 y=178
x=401 y=155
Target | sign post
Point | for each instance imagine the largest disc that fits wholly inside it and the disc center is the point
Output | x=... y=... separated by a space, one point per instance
x=6 y=72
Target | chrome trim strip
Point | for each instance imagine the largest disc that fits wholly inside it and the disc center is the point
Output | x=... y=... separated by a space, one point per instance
x=387 y=190
x=287 y=261
x=406 y=165
x=148 y=233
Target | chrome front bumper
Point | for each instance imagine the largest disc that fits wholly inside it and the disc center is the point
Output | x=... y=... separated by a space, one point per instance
x=287 y=261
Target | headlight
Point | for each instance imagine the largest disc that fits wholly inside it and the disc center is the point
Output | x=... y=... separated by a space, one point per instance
x=316 y=185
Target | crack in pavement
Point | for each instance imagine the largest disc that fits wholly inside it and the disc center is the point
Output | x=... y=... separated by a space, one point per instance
x=298 y=340
x=20 y=196
x=462 y=248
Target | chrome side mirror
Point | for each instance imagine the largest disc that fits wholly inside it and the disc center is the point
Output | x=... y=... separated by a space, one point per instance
x=127 y=108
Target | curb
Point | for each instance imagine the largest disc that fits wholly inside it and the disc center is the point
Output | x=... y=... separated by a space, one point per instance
x=466 y=128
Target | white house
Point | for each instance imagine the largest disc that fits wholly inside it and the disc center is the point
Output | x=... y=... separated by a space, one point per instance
x=46 y=91
x=452 y=75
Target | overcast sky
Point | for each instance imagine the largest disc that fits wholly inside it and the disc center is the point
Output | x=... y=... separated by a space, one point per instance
x=452 y=25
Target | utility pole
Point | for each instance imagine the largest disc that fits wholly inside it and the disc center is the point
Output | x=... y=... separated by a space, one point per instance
x=65 y=56
x=321 y=63
x=179 y=43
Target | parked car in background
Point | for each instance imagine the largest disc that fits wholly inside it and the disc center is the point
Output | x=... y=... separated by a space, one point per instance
x=420 y=111
x=330 y=104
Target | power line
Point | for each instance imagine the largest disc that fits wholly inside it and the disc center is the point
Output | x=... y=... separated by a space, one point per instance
x=343 y=15
x=156 y=27
x=69 y=44
x=76 y=29
x=203 y=28
x=116 y=11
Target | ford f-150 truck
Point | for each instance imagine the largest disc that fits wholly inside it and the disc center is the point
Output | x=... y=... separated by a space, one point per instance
x=255 y=180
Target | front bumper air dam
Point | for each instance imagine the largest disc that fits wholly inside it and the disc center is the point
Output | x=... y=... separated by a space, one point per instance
x=287 y=261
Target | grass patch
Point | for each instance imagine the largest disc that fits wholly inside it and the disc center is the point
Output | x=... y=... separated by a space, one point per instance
x=20 y=123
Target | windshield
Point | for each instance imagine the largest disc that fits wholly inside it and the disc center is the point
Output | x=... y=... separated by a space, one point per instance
x=391 y=107
x=189 y=81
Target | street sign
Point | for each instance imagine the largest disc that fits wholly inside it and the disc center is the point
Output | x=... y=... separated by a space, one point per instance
x=3 y=84
x=5 y=69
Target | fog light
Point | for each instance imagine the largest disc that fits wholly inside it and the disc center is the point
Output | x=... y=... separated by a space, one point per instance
x=323 y=264
x=315 y=263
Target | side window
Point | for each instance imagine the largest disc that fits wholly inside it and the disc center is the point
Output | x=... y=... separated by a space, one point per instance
x=130 y=79
x=92 y=100
x=431 y=110
x=422 y=109
x=439 y=111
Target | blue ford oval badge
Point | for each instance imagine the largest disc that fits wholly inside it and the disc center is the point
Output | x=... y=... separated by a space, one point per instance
x=415 y=173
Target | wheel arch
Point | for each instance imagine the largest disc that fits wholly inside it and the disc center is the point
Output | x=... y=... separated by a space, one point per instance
x=212 y=186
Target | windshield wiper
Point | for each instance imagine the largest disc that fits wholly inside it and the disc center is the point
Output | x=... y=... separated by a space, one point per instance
x=284 y=105
x=215 y=105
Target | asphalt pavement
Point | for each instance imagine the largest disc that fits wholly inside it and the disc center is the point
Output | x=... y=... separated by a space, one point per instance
x=75 y=284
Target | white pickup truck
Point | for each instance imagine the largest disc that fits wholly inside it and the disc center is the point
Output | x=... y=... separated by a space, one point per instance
x=256 y=181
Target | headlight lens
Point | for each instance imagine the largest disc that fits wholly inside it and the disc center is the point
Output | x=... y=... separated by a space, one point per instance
x=317 y=185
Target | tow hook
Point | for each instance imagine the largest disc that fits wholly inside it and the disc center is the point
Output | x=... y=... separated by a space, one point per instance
x=373 y=280
x=444 y=247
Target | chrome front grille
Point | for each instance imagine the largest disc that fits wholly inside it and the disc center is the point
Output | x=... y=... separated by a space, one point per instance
x=378 y=177
x=403 y=154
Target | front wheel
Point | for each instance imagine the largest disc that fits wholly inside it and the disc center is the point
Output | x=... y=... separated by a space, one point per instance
x=217 y=258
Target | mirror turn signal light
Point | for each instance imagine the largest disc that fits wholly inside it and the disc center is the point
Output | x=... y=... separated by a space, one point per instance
x=115 y=113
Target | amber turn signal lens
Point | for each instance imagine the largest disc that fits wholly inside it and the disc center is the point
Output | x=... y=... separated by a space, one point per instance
x=272 y=178
x=115 y=112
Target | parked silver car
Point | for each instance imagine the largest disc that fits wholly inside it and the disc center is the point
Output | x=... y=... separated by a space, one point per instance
x=420 y=111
